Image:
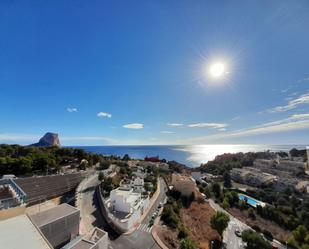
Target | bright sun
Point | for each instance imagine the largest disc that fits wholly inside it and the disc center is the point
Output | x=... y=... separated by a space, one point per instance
x=217 y=70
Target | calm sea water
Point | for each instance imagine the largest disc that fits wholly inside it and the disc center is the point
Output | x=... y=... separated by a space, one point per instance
x=190 y=155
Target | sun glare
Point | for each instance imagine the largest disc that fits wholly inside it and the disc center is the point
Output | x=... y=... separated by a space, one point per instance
x=217 y=70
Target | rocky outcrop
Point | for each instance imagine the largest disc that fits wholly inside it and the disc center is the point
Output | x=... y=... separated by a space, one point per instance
x=49 y=139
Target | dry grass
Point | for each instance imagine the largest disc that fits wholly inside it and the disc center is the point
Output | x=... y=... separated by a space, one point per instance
x=196 y=219
x=168 y=236
x=278 y=232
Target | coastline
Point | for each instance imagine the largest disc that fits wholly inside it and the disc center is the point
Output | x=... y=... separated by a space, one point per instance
x=190 y=155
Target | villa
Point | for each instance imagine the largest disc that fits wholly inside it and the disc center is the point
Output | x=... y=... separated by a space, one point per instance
x=127 y=206
x=138 y=185
x=125 y=200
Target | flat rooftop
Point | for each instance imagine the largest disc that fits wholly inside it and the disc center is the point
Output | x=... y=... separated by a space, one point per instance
x=53 y=214
x=123 y=191
x=19 y=232
x=83 y=244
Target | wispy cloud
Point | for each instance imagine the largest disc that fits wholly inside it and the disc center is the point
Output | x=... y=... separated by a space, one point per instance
x=292 y=123
x=292 y=104
x=18 y=137
x=89 y=138
x=133 y=126
x=167 y=132
x=72 y=109
x=104 y=115
x=208 y=125
x=236 y=118
x=303 y=80
x=174 y=124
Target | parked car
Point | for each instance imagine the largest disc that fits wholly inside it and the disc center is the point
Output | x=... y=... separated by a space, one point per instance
x=151 y=222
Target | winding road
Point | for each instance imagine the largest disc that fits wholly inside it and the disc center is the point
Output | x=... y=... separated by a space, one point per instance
x=141 y=238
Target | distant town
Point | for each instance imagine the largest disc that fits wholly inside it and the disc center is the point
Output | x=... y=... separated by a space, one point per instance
x=67 y=198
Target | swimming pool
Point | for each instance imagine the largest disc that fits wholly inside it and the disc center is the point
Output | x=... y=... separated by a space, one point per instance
x=251 y=201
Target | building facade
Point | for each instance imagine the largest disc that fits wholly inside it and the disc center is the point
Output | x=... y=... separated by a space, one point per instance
x=59 y=224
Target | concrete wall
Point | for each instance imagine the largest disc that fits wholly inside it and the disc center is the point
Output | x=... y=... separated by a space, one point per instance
x=104 y=211
x=12 y=212
x=62 y=230
x=116 y=225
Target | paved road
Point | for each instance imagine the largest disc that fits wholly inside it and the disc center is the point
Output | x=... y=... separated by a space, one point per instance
x=229 y=236
x=141 y=238
x=86 y=202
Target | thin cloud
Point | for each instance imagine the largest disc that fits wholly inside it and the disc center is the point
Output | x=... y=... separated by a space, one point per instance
x=167 y=132
x=292 y=104
x=236 y=118
x=72 y=109
x=292 y=123
x=133 y=126
x=104 y=115
x=208 y=125
x=89 y=138
x=174 y=124
x=303 y=80
x=18 y=137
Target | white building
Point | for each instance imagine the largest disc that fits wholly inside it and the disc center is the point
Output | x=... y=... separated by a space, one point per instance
x=127 y=207
x=138 y=185
x=197 y=176
x=125 y=200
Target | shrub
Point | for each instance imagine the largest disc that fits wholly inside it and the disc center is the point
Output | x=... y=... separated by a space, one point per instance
x=182 y=232
x=251 y=213
x=169 y=217
x=187 y=244
x=219 y=222
x=254 y=240
x=268 y=235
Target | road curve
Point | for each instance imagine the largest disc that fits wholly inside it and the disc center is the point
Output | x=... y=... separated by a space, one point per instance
x=141 y=238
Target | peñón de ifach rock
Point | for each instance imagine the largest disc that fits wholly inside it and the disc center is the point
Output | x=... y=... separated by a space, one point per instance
x=49 y=139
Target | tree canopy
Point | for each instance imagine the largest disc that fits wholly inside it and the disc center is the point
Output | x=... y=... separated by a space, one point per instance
x=219 y=222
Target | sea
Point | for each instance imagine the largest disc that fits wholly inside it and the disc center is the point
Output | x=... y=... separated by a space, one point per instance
x=190 y=155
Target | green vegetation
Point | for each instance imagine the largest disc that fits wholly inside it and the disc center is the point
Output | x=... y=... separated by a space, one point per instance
x=182 y=232
x=126 y=157
x=187 y=244
x=254 y=240
x=299 y=238
x=21 y=160
x=170 y=214
x=298 y=153
x=151 y=179
x=227 y=180
x=219 y=222
x=216 y=190
x=289 y=208
x=226 y=162
x=107 y=185
x=171 y=217
x=101 y=176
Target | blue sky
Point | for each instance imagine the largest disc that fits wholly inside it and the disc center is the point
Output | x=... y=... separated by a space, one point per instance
x=137 y=72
